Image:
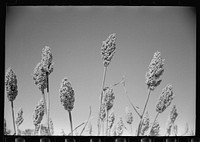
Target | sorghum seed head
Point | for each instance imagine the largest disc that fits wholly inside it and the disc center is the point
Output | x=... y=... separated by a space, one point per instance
x=119 y=127
x=145 y=123
x=47 y=59
x=111 y=119
x=51 y=126
x=108 y=97
x=172 y=117
x=173 y=114
x=155 y=71
x=38 y=113
x=11 y=84
x=19 y=118
x=155 y=129
x=39 y=76
x=102 y=113
x=166 y=98
x=129 y=116
x=108 y=49
x=67 y=95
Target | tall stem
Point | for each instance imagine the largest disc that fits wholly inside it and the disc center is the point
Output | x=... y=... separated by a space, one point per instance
x=70 y=119
x=106 y=121
x=154 y=122
x=48 y=98
x=103 y=128
x=103 y=83
x=139 y=126
x=45 y=105
x=13 y=116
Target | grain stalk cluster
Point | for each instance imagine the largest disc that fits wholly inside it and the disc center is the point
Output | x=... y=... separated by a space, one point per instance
x=106 y=118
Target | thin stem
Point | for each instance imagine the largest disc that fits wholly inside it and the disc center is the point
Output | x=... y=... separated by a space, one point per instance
x=102 y=127
x=131 y=102
x=154 y=122
x=45 y=105
x=13 y=116
x=149 y=91
x=107 y=121
x=77 y=127
x=70 y=119
x=86 y=121
x=103 y=83
x=139 y=126
x=48 y=98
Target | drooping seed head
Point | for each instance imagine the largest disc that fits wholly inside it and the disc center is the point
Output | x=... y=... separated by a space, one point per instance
x=119 y=127
x=11 y=84
x=38 y=113
x=67 y=95
x=39 y=76
x=145 y=123
x=129 y=116
x=166 y=98
x=19 y=118
x=108 y=97
x=108 y=49
x=155 y=71
x=47 y=59
x=155 y=129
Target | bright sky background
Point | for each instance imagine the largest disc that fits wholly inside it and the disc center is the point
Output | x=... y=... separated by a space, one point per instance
x=75 y=36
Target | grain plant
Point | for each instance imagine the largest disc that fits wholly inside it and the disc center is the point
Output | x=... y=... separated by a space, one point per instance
x=38 y=115
x=19 y=119
x=129 y=117
x=67 y=98
x=11 y=90
x=107 y=51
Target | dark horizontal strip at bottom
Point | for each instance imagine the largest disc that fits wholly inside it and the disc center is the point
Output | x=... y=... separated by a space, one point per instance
x=98 y=139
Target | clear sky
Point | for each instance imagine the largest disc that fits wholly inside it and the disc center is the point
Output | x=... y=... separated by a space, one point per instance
x=75 y=36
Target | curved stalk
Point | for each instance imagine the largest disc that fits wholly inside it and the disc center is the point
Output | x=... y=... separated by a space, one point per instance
x=70 y=119
x=131 y=102
x=13 y=116
x=86 y=121
x=77 y=127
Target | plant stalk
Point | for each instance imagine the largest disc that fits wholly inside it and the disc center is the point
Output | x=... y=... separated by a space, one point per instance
x=106 y=121
x=86 y=121
x=77 y=127
x=139 y=126
x=48 y=98
x=103 y=83
x=13 y=116
x=70 y=119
